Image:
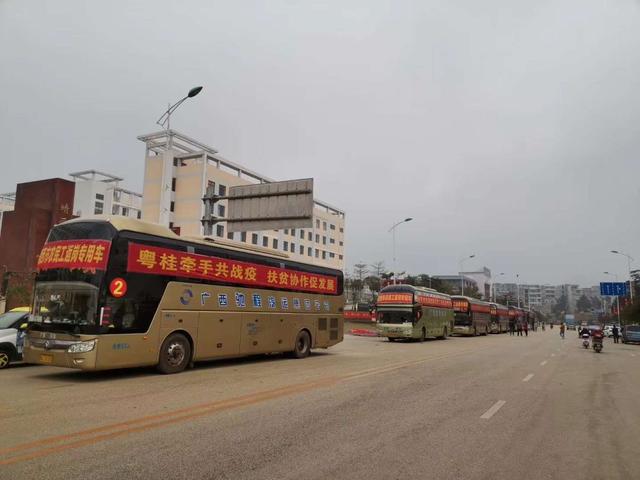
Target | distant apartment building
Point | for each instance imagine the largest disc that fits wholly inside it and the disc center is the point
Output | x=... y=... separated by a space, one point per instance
x=178 y=171
x=7 y=204
x=100 y=193
x=482 y=279
x=455 y=282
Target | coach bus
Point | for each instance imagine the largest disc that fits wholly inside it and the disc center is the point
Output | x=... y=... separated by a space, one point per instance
x=472 y=316
x=405 y=311
x=118 y=292
x=499 y=318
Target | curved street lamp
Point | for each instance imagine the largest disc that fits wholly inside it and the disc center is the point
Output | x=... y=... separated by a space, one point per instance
x=393 y=229
x=462 y=260
x=629 y=260
x=165 y=119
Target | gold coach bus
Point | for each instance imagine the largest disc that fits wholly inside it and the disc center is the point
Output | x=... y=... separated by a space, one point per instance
x=472 y=316
x=499 y=318
x=117 y=292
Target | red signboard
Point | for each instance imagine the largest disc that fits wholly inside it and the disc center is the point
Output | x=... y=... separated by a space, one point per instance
x=460 y=305
x=434 y=301
x=174 y=263
x=351 y=315
x=395 y=298
x=74 y=255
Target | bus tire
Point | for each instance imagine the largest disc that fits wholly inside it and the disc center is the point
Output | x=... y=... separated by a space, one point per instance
x=444 y=334
x=391 y=339
x=302 y=346
x=423 y=335
x=486 y=331
x=475 y=331
x=175 y=354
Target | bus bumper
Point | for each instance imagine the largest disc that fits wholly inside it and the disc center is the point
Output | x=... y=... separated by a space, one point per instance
x=460 y=330
x=60 y=358
x=395 y=331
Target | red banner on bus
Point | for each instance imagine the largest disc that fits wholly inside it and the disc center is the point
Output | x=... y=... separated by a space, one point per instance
x=74 y=255
x=395 y=298
x=165 y=261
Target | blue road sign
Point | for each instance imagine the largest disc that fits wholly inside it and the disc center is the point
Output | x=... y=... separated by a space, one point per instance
x=614 y=289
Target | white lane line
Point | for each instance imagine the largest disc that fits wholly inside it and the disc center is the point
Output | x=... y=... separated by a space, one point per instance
x=542 y=364
x=553 y=354
x=633 y=354
x=492 y=411
x=528 y=377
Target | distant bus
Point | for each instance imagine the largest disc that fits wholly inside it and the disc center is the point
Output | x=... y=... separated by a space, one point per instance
x=472 y=316
x=570 y=321
x=117 y=292
x=405 y=311
x=499 y=318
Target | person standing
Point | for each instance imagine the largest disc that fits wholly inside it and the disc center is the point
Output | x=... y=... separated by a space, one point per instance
x=616 y=334
x=526 y=329
x=519 y=327
x=562 y=330
x=512 y=327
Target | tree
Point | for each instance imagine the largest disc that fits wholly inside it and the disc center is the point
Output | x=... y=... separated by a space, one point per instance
x=583 y=304
x=562 y=305
x=360 y=271
x=378 y=269
x=374 y=283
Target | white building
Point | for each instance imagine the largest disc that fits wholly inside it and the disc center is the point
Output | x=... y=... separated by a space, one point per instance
x=482 y=278
x=100 y=193
x=7 y=204
x=178 y=171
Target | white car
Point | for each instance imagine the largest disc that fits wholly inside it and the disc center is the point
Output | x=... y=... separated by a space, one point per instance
x=12 y=326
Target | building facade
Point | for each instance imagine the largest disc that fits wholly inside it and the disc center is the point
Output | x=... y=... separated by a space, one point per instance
x=178 y=171
x=483 y=281
x=98 y=193
x=38 y=207
x=454 y=283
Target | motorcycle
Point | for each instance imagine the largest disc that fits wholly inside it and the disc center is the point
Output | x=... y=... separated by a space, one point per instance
x=597 y=341
x=585 y=340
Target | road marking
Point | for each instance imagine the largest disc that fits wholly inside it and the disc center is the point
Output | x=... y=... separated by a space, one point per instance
x=492 y=411
x=633 y=354
x=59 y=443
x=553 y=354
x=528 y=377
x=542 y=364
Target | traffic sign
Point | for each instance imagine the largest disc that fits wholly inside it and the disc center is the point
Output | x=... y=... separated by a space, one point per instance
x=614 y=289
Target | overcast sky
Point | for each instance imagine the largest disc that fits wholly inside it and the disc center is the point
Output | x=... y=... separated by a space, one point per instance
x=507 y=129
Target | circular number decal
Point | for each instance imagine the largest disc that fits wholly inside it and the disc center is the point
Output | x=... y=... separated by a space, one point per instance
x=118 y=287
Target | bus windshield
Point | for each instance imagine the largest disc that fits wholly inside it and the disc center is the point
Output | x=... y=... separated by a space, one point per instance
x=462 y=319
x=70 y=304
x=395 y=316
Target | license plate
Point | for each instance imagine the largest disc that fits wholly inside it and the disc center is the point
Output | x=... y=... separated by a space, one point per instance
x=46 y=358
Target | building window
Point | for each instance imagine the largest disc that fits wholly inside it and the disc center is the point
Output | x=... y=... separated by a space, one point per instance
x=339 y=257
x=301 y=249
x=317 y=238
x=230 y=235
x=324 y=255
x=293 y=247
x=332 y=241
x=286 y=231
x=220 y=230
x=125 y=211
x=99 y=196
x=332 y=255
x=275 y=244
x=175 y=162
x=173 y=184
x=170 y=224
x=139 y=214
x=222 y=190
x=285 y=245
x=317 y=223
x=265 y=241
x=332 y=226
x=309 y=236
x=254 y=238
x=211 y=184
x=341 y=243
x=99 y=206
x=302 y=234
x=341 y=230
x=221 y=210
x=293 y=232
x=115 y=210
x=243 y=236
x=310 y=251
x=317 y=253
x=324 y=240
x=172 y=207
x=324 y=226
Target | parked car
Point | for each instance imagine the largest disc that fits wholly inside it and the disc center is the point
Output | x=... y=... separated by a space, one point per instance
x=631 y=334
x=12 y=326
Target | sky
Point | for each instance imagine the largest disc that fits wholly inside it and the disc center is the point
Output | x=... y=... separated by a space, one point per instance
x=506 y=129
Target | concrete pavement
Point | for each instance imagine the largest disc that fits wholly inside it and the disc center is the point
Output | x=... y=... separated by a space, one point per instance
x=496 y=407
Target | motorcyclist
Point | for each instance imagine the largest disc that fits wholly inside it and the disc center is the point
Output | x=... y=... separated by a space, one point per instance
x=585 y=331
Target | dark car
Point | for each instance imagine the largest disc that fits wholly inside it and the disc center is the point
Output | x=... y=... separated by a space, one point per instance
x=631 y=334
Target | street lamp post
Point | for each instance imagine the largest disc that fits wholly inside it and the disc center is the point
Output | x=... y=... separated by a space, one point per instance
x=393 y=229
x=629 y=260
x=165 y=120
x=462 y=260
x=495 y=297
x=518 y=288
x=615 y=275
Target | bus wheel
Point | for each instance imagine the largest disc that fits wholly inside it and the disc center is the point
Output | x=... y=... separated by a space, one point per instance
x=475 y=332
x=302 y=346
x=175 y=354
x=423 y=335
x=391 y=339
x=444 y=333
x=486 y=331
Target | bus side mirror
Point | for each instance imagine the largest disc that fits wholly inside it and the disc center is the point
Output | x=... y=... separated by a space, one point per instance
x=24 y=326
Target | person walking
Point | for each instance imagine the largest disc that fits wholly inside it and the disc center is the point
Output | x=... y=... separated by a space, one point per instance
x=526 y=329
x=519 y=327
x=512 y=327
x=562 y=330
x=616 y=334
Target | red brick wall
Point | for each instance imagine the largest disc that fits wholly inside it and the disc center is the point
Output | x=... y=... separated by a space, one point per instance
x=39 y=206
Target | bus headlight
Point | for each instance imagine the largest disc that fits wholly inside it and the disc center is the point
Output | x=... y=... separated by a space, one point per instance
x=81 y=347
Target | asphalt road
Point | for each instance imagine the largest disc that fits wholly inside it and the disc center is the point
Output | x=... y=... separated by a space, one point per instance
x=494 y=407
